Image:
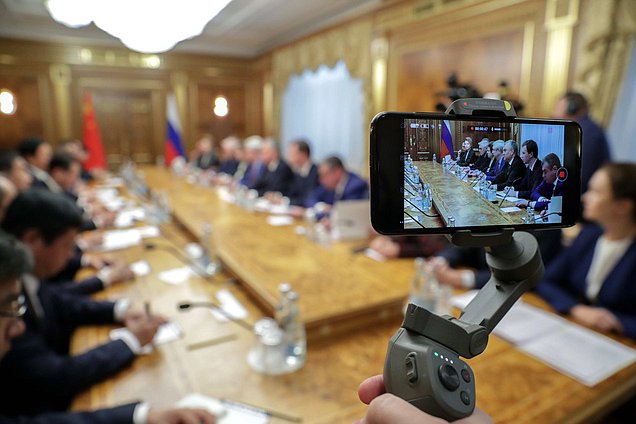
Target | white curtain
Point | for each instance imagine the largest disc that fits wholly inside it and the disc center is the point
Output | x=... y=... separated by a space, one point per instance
x=326 y=108
x=549 y=138
x=622 y=129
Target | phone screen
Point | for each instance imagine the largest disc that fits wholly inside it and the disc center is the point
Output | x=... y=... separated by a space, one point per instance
x=437 y=173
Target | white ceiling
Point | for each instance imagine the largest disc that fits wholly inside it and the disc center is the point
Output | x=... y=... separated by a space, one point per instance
x=245 y=28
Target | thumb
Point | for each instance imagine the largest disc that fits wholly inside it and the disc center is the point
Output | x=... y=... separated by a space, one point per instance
x=388 y=408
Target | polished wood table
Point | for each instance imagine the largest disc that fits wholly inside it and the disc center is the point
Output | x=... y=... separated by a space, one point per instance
x=456 y=197
x=339 y=290
x=511 y=386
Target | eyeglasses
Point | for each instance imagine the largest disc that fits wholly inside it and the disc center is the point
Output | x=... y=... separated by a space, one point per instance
x=18 y=308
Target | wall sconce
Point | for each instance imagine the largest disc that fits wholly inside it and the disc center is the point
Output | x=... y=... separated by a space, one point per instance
x=220 y=106
x=8 y=105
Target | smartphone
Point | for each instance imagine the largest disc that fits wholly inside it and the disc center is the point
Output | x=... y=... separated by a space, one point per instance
x=435 y=173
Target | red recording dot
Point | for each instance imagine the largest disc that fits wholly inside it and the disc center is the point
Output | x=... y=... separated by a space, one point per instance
x=465 y=103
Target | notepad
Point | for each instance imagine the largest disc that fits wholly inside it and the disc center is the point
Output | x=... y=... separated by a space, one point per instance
x=140 y=268
x=176 y=275
x=280 y=220
x=230 y=305
x=583 y=354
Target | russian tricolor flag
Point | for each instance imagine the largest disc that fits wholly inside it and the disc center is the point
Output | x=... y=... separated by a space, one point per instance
x=174 y=144
x=447 y=141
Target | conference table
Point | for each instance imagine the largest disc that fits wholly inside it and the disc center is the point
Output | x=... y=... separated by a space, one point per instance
x=456 y=195
x=351 y=304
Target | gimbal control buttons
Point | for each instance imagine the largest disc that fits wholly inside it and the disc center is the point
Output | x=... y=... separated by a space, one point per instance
x=465 y=375
x=465 y=397
x=449 y=377
x=411 y=367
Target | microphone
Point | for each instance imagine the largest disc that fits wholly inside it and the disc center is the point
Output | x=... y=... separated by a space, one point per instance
x=183 y=306
x=197 y=268
x=539 y=218
x=508 y=191
x=478 y=179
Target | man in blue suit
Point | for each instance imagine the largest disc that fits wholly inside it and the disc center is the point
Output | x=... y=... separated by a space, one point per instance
x=45 y=377
x=336 y=183
x=15 y=261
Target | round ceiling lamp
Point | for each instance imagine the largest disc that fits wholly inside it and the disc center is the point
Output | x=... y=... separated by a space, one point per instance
x=146 y=26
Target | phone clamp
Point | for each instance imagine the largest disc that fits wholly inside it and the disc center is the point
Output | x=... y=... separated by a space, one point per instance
x=423 y=364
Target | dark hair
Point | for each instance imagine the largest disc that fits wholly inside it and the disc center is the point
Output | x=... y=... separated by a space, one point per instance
x=333 y=162
x=577 y=103
x=7 y=157
x=62 y=161
x=622 y=177
x=552 y=160
x=51 y=214
x=29 y=146
x=15 y=259
x=531 y=147
x=303 y=147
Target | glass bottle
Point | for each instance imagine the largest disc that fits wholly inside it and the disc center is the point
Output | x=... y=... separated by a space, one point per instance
x=295 y=335
x=424 y=286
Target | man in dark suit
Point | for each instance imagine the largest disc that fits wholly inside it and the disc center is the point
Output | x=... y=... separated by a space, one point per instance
x=467 y=155
x=14 y=261
x=37 y=153
x=15 y=168
x=305 y=172
x=513 y=169
x=336 y=183
x=230 y=148
x=483 y=159
x=203 y=156
x=549 y=187
x=277 y=176
x=534 y=174
x=595 y=149
x=44 y=376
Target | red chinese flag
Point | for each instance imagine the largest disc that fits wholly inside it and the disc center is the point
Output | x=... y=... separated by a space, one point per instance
x=92 y=137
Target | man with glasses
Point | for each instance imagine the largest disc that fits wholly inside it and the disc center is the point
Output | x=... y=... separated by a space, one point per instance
x=14 y=262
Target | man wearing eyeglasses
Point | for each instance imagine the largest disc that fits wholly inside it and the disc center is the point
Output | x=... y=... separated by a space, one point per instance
x=15 y=261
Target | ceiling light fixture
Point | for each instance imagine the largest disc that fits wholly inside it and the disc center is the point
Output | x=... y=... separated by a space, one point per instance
x=146 y=26
x=8 y=105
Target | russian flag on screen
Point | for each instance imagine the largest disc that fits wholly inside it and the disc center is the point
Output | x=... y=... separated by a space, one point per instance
x=447 y=141
x=174 y=144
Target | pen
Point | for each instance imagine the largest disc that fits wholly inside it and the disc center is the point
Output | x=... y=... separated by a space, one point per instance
x=259 y=410
x=147 y=309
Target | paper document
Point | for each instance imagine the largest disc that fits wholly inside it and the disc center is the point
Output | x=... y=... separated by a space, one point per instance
x=230 y=305
x=128 y=217
x=511 y=209
x=509 y=198
x=585 y=355
x=119 y=239
x=167 y=333
x=140 y=268
x=176 y=276
x=280 y=220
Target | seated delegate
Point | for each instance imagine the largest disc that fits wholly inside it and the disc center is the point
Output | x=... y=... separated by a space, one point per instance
x=593 y=280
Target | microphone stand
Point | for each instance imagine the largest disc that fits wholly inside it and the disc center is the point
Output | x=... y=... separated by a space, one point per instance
x=183 y=306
